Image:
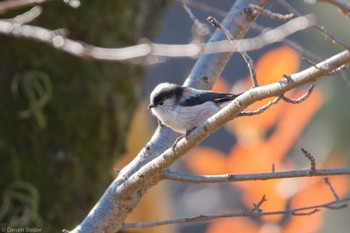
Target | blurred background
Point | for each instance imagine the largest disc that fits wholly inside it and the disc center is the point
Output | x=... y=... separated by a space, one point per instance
x=67 y=122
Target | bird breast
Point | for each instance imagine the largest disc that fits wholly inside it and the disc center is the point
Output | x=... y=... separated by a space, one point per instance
x=182 y=119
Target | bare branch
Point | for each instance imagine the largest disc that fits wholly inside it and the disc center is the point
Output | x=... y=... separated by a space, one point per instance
x=331 y=188
x=27 y=16
x=224 y=178
x=299 y=213
x=204 y=7
x=228 y=113
x=244 y=54
x=321 y=29
x=257 y=206
x=201 y=29
x=149 y=165
x=303 y=211
x=140 y=53
x=309 y=156
x=261 y=109
x=300 y=99
x=127 y=189
x=270 y=14
x=343 y=6
x=14 y=4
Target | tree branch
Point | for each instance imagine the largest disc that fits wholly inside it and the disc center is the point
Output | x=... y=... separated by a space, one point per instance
x=207 y=217
x=148 y=167
x=343 y=6
x=140 y=53
x=127 y=189
x=321 y=29
x=169 y=175
x=228 y=113
x=14 y=4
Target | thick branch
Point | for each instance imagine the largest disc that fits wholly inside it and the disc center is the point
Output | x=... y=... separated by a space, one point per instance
x=230 y=112
x=125 y=192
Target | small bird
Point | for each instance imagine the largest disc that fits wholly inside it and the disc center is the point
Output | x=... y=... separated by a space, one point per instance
x=184 y=108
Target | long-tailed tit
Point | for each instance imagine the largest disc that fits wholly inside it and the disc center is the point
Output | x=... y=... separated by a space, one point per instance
x=184 y=108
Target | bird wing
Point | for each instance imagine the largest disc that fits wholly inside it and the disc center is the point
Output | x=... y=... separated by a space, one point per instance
x=203 y=97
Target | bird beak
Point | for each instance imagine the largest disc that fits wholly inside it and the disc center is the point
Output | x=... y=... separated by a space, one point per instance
x=150 y=106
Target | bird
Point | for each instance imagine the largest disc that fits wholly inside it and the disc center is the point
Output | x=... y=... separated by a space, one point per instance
x=184 y=108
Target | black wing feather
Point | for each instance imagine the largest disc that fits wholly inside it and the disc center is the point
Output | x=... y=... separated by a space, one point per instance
x=203 y=97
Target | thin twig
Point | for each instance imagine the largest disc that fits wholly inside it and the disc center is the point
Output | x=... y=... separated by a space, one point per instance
x=201 y=29
x=321 y=29
x=204 y=7
x=309 y=156
x=331 y=188
x=27 y=16
x=338 y=70
x=207 y=217
x=300 y=99
x=299 y=213
x=257 y=206
x=261 y=109
x=182 y=177
x=343 y=6
x=15 y=4
x=244 y=54
x=270 y=14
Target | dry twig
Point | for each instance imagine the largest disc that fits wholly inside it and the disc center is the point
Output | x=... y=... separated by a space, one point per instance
x=300 y=99
x=270 y=14
x=181 y=177
x=261 y=109
x=343 y=6
x=201 y=29
x=303 y=211
x=309 y=156
x=244 y=54
x=321 y=29
x=331 y=188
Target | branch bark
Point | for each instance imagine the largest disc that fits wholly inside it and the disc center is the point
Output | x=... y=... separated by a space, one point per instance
x=169 y=175
x=127 y=189
x=302 y=211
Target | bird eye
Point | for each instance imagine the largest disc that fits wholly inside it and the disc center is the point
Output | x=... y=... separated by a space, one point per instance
x=161 y=103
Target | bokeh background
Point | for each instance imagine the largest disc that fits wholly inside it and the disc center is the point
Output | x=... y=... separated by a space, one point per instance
x=60 y=143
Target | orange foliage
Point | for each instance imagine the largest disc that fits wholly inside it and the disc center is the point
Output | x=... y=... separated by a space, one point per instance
x=266 y=139
x=221 y=86
x=207 y=161
x=225 y=225
x=270 y=68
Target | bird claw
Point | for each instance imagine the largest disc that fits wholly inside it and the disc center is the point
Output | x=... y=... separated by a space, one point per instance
x=188 y=132
x=176 y=141
x=181 y=137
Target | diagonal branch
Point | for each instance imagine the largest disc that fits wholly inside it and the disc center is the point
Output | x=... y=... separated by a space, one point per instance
x=244 y=53
x=343 y=6
x=230 y=112
x=14 y=4
x=321 y=29
x=127 y=189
